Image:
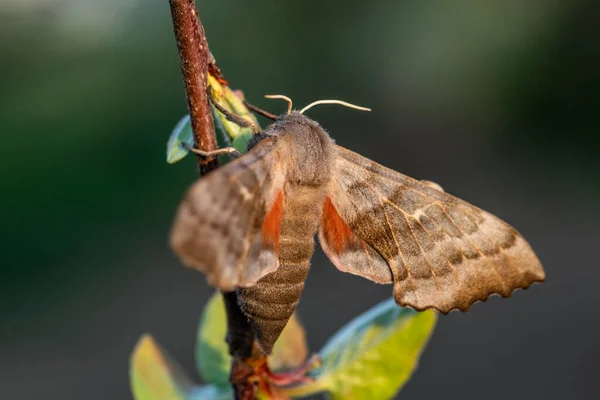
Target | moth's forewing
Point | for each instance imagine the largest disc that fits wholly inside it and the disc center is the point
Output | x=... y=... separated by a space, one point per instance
x=218 y=228
x=442 y=252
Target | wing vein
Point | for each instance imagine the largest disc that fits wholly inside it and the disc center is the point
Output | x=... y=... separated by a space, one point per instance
x=437 y=245
x=519 y=267
x=405 y=265
x=441 y=205
x=371 y=265
x=381 y=197
x=484 y=257
x=408 y=179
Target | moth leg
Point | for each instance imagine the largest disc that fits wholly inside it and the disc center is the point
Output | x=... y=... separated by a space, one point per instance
x=206 y=154
x=236 y=119
x=260 y=111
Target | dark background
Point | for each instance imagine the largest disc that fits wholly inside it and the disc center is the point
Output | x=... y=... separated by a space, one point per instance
x=497 y=101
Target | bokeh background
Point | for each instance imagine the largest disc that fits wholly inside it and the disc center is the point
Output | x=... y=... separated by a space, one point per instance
x=497 y=101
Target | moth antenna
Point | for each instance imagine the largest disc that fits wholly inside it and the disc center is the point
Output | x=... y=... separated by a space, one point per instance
x=280 y=96
x=342 y=103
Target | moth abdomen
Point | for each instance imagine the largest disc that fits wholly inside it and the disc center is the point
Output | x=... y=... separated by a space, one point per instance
x=272 y=301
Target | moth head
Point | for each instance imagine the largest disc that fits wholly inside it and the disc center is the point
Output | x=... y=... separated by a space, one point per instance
x=294 y=120
x=293 y=125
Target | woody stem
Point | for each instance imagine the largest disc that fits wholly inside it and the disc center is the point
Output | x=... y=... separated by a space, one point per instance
x=195 y=61
x=194 y=56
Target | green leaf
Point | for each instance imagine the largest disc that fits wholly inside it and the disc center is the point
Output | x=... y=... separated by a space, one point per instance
x=210 y=392
x=212 y=355
x=154 y=376
x=373 y=355
x=230 y=131
x=182 y=135
x=290 y=350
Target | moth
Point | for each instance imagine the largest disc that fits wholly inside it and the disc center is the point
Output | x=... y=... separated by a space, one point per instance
x=250 y=226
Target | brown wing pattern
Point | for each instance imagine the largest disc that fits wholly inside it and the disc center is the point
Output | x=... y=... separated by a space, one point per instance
x=347 y=251
x=443 y=253
x=219 y=226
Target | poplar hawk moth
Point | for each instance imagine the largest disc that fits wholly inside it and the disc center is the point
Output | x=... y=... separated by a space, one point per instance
x=250 y=226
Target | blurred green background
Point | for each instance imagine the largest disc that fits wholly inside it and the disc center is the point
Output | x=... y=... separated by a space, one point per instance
x=496 y=101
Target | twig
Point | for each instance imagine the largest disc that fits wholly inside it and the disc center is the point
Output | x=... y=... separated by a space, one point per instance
x=196 y=60
x=194 y=56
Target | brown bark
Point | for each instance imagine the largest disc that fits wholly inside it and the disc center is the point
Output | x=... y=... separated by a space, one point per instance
x=196 y=62
x=194 y=56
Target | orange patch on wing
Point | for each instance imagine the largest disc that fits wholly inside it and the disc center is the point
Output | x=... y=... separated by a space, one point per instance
x=272 y=223
x=337 y=233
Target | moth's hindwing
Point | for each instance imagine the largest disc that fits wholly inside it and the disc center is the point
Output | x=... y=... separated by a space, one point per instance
x=347 y=251
x=221 y=222
x=440 y=251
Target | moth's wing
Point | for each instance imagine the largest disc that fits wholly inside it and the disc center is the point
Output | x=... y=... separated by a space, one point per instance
x=441 y=252
x=347 y=251
x=228 y=224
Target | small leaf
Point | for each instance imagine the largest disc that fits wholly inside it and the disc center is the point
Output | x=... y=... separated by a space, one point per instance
x=153 y=375
x=223 y=139
x=290 y=350
x=181 y=136
x=212 y=355
x=234 y=133
x=228 y=133
x=373 y=355
x=210 y=392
